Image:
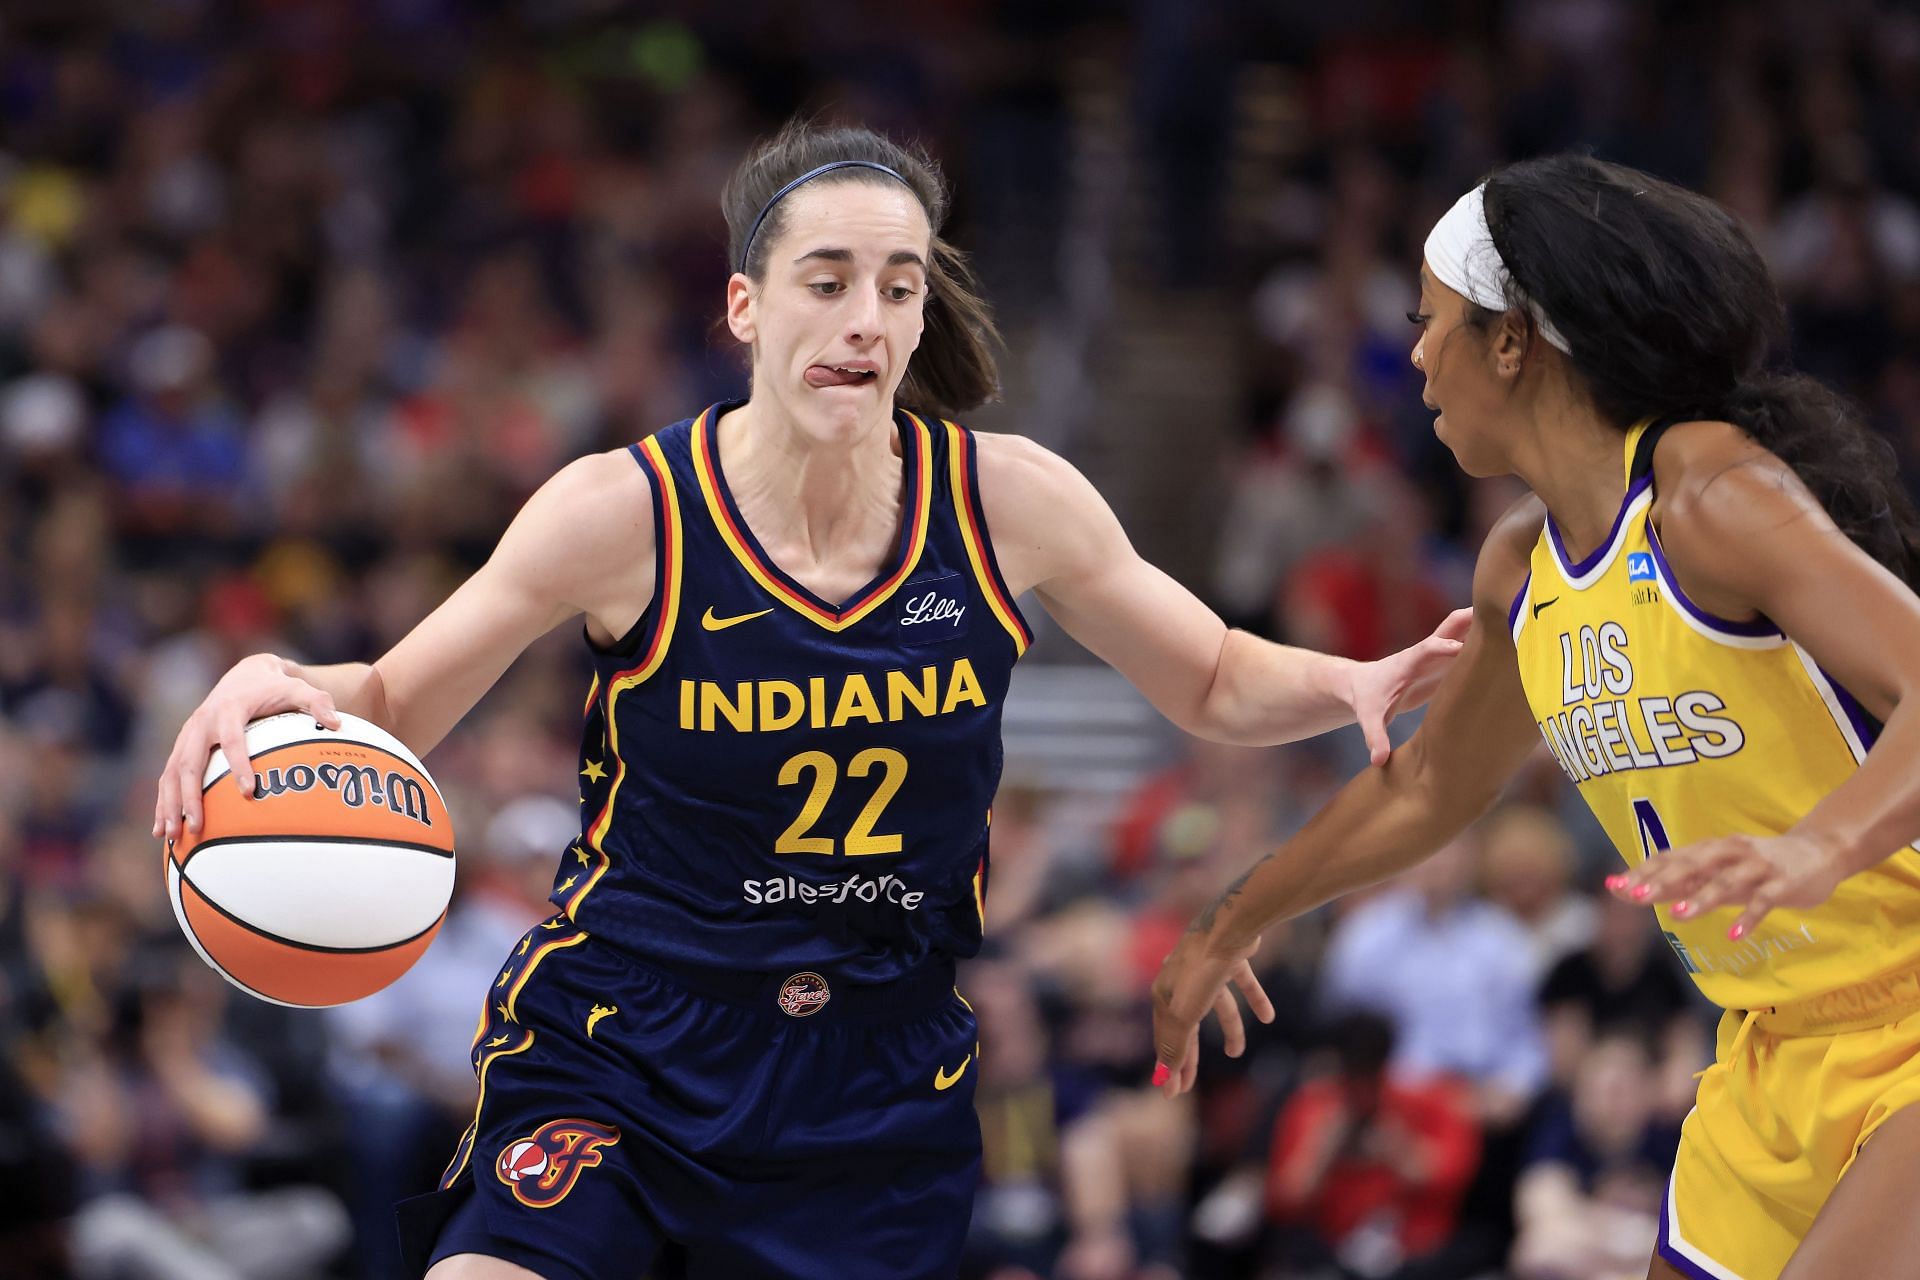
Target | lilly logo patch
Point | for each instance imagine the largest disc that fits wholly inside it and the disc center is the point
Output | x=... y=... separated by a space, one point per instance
x=934 y=610
x=542 y=1168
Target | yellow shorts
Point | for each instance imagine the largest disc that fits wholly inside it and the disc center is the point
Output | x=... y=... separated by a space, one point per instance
x=1792 y=1095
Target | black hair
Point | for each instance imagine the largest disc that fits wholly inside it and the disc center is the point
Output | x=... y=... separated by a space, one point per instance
x=954 y=369
x=1362 y=1043
x=1670 y=313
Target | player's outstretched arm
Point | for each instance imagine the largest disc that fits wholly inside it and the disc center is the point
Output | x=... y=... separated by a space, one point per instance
x=1743 y=534
x=1475 y=735
x=1053 y=532
x=583 y=543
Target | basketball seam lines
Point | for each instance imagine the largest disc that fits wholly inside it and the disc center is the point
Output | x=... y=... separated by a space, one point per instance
x=316 y=838
x=250 y=927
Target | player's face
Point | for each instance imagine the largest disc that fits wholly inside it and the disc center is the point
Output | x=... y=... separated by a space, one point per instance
x=1454 y=358
x=841 y=307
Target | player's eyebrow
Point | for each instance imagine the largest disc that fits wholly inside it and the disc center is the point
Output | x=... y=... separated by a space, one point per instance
x=898 y=258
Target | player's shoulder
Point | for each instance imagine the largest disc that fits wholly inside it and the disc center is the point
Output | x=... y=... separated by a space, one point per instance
x=596 y=508
x=596 y=478
x=1709 y=472
x=1506 y=557
x=1044 y=518
x=1016 y=465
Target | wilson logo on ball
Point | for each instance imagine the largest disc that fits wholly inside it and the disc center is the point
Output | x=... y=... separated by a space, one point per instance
x=542 y=1168
x=355 y=784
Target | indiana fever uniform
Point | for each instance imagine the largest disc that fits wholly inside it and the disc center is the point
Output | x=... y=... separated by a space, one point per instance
x=1678 y=726
x=740 y=1036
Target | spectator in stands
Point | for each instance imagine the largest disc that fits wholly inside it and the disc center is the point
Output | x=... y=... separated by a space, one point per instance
x=1368 y=1168
x=1453 y=974
x=1627 y=979
x=163 y=1116
x=1589 y=1199
x=1526 y=867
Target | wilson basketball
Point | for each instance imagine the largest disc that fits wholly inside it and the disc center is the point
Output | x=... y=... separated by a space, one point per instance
x=331 y=880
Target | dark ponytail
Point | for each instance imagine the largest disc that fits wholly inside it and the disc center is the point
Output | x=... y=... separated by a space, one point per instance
x=954 y=369
x=1670 y=313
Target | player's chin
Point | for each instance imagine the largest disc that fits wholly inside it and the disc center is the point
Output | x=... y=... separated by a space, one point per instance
x=1471 y=457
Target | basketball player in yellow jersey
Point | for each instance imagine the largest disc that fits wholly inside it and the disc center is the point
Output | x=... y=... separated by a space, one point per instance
x=1706 y=612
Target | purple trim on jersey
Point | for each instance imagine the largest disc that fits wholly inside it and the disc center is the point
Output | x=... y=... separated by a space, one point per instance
x=1866 y=726
x=1599 y=553
x=1513 y=610
x=1664 y=1247
x=1760 y=626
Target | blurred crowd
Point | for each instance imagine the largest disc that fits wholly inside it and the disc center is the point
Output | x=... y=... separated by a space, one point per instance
x=300 y=298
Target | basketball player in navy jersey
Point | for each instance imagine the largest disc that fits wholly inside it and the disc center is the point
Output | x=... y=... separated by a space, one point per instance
x=736 y=1049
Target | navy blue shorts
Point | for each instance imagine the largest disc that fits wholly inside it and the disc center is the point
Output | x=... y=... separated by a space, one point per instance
x=634 y=1121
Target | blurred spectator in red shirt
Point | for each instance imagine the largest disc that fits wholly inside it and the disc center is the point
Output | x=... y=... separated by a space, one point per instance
x=1372 y=1168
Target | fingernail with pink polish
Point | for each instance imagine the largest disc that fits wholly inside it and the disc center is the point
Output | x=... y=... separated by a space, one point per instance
x=1642 y=892
x=1736 y=933
x=1160 y=1074
x=1683 y=908
x=1615 y=882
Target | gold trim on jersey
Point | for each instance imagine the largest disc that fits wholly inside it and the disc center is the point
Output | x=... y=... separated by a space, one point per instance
x=672 y=568
x=921 y=491
x=999 y=600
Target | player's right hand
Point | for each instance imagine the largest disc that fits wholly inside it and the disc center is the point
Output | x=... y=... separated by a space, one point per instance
x=261 y=685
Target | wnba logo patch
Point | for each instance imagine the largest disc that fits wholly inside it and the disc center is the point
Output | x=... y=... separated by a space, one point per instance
x=543 y=1168
x=804 y=994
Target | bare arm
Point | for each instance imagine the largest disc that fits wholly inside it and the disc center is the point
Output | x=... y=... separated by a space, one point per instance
x=1054 y=533
x=1475 y=736
x=1743 y=536
x=583 y=543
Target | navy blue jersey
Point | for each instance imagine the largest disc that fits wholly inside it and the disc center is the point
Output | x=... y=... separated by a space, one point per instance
x=770 y=780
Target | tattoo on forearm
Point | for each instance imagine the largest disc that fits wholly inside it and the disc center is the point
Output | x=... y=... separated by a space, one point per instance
x=1203 y=923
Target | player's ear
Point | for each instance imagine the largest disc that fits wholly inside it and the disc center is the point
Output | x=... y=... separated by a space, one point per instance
x=740 y=300
x=1511 y=339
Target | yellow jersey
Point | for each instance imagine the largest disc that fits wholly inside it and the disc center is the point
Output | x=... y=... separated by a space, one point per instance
x=1677 y=726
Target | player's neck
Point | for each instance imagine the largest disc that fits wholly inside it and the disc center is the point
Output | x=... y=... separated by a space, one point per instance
x=1575 y=462
x=819 y=499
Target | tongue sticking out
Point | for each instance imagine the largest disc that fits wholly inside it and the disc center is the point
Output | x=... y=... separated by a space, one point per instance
x=820 y=375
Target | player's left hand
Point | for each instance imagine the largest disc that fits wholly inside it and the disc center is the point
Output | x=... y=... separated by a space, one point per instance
x=1404 y=680
x=1755 y=872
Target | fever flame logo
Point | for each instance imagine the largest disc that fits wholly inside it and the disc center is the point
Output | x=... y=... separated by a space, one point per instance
x=542 y=1168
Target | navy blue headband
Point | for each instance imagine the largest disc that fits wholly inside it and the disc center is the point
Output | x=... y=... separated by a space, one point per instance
x=746 y=251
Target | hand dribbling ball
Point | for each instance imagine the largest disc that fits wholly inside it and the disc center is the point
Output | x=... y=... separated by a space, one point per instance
x=331 y=879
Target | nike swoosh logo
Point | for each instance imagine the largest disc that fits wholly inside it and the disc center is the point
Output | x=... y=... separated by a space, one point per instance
x=942 y=1081
x=1543 y=604
x=712 y=623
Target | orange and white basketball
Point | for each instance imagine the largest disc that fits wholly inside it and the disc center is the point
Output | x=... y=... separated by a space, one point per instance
x=331 y=880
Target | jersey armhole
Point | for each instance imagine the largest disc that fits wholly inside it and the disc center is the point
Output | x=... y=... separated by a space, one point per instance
x=971 y=514
x=1516 y=612
x=655 y=621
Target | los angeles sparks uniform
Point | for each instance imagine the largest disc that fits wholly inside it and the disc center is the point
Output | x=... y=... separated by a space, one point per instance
x=740 y=1032
x=1678 y=726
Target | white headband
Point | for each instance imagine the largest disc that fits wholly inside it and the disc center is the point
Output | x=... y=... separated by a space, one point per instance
x=1460 y=251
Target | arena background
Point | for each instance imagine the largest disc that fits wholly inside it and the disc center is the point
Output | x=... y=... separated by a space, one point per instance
x=300 y=298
